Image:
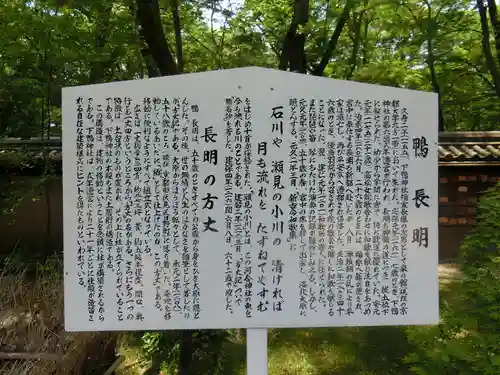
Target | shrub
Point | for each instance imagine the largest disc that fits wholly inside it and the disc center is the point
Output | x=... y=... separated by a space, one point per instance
x=31 y=321
x=161 y=351
x=467 y=340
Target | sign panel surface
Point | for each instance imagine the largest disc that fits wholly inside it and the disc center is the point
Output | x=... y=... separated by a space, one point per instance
x=249 y=198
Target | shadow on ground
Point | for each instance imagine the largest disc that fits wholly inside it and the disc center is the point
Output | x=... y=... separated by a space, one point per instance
x=316 y=351
x=338 y=351
x=327 y=351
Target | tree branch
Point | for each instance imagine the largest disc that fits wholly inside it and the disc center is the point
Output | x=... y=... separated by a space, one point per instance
x=203 y=45
x=118 y=361
x=273 y=47
x=485 y=41
x=332 y=43
x=30 y=356
x=102 y=31
x=476 y=69
x=178 y=36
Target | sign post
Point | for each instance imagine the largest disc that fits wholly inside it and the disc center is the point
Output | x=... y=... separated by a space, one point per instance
x=249 y=198
x=257 y=363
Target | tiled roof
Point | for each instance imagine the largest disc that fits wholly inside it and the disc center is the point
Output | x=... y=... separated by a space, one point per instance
x=455 y=148
x=469 y=148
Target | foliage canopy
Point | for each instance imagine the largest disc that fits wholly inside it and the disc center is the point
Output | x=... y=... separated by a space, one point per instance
x=446 y=46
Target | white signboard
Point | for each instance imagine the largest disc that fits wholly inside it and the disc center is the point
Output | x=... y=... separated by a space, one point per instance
x=249 y=198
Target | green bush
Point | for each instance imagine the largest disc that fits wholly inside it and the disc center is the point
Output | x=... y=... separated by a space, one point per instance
x=161 y=351
x=467 y=340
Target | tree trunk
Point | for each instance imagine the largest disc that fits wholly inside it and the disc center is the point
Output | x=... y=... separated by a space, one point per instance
x=485 y=41
x=148 y=15
x=495 y=25
x=436 y=87
x=178 y=36
x=293 y=51
x=357 y=22
x=150 y=63
x=365 y=41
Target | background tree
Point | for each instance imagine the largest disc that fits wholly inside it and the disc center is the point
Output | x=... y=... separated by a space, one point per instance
x=446 y=46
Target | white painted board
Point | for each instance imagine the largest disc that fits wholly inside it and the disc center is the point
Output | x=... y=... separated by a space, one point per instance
x=315 y=214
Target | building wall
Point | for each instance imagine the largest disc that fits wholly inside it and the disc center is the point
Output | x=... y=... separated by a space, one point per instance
x=32 y=232
x=36 y=227
x=459 y=189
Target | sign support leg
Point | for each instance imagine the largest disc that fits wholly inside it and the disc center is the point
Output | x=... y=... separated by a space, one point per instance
x=257 y=351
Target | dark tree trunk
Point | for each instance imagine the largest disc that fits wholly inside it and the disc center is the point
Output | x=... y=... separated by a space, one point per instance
x=495 y=24
x=356 y=42
x=436 y=87
x=485 y=41
x=293 y=51
x=365 y=41
x=148 y=15
x=178 y=37
x=150 y=63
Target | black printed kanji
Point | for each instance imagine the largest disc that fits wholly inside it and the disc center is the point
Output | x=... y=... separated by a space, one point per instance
x=277 y=112
x=421 y=236
x=208 y=225
x=209 y=201
x=262 y=148
x=420 y=147
x=210 y=156
x=209 y=135
x=420 y=198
